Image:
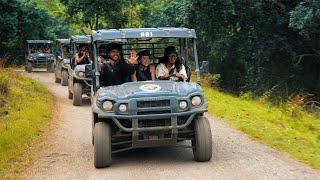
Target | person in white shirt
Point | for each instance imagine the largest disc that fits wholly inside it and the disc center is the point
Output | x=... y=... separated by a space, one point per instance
x=171 y=67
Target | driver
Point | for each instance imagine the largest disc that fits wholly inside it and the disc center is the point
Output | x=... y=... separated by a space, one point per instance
x=170 y=67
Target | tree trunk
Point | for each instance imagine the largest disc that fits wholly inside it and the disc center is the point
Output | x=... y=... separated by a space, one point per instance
x=97 y=21
x=91 y=26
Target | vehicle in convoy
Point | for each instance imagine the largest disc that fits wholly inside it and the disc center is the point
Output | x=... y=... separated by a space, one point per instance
x=39 y=55
x=148 y=113
x=62 y=61
x=79 y=81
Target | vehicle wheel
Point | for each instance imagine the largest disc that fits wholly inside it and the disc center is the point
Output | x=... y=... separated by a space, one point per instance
x=102 y=145
x=50 y=68
x=202 y=143
x=77 y=94
x=70 y=95
x=64 y=78
x=29 y=67
x=94 y=118
x=57 y=80
x=92 y=129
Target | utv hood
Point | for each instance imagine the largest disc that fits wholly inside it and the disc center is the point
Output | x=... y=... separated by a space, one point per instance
x=148 y=89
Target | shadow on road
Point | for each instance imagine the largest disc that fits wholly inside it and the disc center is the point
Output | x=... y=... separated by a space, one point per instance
x=162 y=155
x=38 y=71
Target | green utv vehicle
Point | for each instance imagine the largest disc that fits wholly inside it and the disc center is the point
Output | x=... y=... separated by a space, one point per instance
x=62 y=61
x=39 y=55
x=148 y=113
x=79 y=81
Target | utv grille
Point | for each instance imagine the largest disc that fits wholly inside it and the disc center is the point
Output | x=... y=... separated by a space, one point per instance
x=154 y=122
x=150 y=104
x=153 y=112
x=41 y=59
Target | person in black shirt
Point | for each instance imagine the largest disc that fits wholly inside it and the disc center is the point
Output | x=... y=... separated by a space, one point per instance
x=144 y=70
x=116 y=71
x=83 y=57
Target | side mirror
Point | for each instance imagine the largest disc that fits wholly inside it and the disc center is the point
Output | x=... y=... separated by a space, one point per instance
x=204 y=67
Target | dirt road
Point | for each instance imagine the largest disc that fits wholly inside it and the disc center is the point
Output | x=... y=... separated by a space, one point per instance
x=69 y=153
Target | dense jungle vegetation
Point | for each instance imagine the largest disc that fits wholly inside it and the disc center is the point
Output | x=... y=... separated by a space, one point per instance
x=261 y=48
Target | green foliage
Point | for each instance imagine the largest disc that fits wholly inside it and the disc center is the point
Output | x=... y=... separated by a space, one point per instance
x=305 y=18
x=97 y=14
x=23 y=20
x=54 y=8
x=287 y=128
x=135 y=13
x=256 y=46
x=167 y=13
x=25 y=121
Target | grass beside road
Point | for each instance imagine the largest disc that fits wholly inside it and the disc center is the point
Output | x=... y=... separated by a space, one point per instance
x=25 y=113
x=286 y=128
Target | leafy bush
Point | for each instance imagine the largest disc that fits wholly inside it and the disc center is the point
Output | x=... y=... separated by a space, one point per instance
x=210 y=80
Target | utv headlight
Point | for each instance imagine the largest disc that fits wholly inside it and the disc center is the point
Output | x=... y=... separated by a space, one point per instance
x=196 y=100
x=183 y=104
x=81 y=74
x=123 y=108
x=107 y=105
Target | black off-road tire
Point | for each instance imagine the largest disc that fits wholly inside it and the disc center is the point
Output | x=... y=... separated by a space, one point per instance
x=102 y=145
x=92 y=131
x=70 y=95
x=50 y=68
x=57 y=80
x=29 y=67
x=64 y=78
x=94 y=120
x=202 y=150
x=77 y=94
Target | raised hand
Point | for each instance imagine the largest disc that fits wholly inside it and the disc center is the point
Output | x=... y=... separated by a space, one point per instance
x=133 y=58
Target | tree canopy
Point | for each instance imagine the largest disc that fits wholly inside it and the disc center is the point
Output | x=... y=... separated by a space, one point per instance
x=257 y=46
x=22 y=20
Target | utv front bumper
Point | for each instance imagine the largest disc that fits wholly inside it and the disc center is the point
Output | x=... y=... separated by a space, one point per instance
x=139 y=122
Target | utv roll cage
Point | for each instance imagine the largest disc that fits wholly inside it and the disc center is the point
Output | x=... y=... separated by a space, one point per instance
x=143 y=37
